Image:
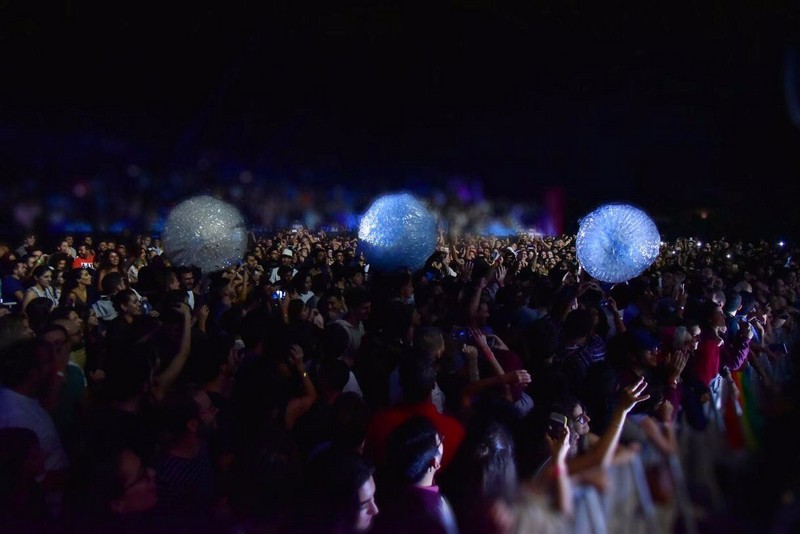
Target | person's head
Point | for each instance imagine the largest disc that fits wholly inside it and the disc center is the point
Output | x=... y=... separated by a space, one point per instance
x=341 y=491
x=647 y=348
x=127 y=302
x=120 y=484
x=297 y=311
x=429 y=340
x=482 y=317
x=14 y=327
x=112 y=259
x=287 y=256
x=732 y=303
x=414 y=450
x=417 y=376
x=43 y=276
x=274 y=255
x=302 y=282
x=578 y=326
x=19 y=269
x=250 y=261
x=23 y=366
x=113 y=283
x=188 y=411
x=38 y=312
x=53 y=341
x=83 y=251
x=186 y=277
x=710 y=315
x=489 y=465
x=285 y=274
x=359 y=303
x=577 y=418
x=134 y=490
x=73 y=327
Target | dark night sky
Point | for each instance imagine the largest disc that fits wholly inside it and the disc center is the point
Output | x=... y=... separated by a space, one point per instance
x=673 y=107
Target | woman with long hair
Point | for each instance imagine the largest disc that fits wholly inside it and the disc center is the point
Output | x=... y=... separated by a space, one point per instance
x=76 y=292
x=42 y=287
x=110 y=263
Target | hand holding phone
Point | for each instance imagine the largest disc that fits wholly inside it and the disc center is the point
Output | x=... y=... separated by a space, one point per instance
x=556 y=425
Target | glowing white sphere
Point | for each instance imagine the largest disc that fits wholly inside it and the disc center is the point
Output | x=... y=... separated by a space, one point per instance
x=205 y=232
x=617 y=242
x=397 y=231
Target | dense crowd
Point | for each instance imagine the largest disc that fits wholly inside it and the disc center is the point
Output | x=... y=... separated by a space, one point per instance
x=301 y=391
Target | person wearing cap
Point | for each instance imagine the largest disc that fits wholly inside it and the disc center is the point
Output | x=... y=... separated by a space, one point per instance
x=286 y=259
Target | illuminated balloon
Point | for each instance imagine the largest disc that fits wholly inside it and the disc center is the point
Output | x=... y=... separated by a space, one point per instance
x=205 y=232
x=397 y=231
x=617 y=242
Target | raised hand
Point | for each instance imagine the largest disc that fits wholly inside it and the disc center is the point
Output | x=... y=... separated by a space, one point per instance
x=632 y=395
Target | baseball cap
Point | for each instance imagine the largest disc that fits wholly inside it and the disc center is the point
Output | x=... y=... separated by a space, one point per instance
x=287 y=252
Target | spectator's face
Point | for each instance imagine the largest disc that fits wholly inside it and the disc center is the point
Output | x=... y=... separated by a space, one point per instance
x=133 y=306
x=173 y=283
x=364 y=310
x=83 y=251
x=206 y=414
x=286 y=260
x=252 y=263
x=85 y=278
x=139 y=485
x=357 y=279
x=273 y=256
x=64 y=247
x=31 y=261
x=187 y=281
x=122 y=251
x=333 y=305
x=102 y=246
x=367 y=508
x=20 y=269
x=113 y=259
x=46 y=279
x=579 y=420
x=340 y=257
x=30 y=240
x=68 y=239
x=56 y=342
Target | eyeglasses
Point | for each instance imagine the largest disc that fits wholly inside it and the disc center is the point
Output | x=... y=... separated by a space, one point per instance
x=582 y=418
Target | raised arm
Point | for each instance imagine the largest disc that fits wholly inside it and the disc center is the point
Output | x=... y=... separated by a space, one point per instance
x=603 y=453
x=173 y=370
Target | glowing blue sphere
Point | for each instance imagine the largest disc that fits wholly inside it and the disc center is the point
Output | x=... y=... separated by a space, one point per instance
x=617 y=242
x=397 y=231
x=205 y=232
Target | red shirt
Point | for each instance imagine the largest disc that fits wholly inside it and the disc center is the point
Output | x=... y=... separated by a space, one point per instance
x=385 y=421
x=81 y=263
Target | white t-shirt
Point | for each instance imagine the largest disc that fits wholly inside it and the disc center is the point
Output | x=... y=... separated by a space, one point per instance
x=17 y=410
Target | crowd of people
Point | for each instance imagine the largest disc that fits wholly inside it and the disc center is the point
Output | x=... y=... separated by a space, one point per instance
x=301 y=391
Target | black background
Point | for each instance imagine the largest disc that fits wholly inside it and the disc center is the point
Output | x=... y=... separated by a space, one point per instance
x=678 y=108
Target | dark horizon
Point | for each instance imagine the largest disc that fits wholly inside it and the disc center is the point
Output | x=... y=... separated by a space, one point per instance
x=680 y=113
